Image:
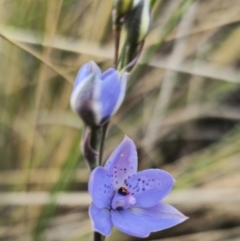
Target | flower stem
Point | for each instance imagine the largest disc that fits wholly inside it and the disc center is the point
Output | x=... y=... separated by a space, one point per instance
x=104 y=131
x=94 y=143
x=117 y=33
x=98 y=237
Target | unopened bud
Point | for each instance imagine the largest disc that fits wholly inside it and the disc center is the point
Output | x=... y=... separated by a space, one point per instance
x=97 y=96
x=138 y=22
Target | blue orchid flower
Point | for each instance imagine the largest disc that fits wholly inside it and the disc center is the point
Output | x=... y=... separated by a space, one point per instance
x=130 y=200
x=97 y=96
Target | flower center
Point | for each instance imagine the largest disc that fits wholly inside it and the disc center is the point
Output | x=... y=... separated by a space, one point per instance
x=123 y=191
x=122 y=199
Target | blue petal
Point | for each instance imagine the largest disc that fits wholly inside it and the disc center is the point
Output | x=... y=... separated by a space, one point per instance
x=129 y=223
x=150 y=186
x=82 y=93
x=123 y=82
x=108 y=74
x=110 y=89
x=122 y=163
x=100 y=188
x=101 y=219
x=84 y=71
x=159 y=217
x=95 y=69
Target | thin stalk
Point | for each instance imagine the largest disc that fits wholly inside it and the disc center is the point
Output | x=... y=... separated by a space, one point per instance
x=94 y=143
x=104 y=131
x=117 y=34
x=130 y=65
x=98 y=237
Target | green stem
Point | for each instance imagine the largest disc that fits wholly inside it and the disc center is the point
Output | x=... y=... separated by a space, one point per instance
x=117 y=34
x=104 y=131
x=98 y=237
x=94 y=143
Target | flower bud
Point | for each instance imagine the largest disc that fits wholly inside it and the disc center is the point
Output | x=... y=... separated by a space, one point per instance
x=138 y=22
x=97 y=96
x=120 y=10
x=137 y=25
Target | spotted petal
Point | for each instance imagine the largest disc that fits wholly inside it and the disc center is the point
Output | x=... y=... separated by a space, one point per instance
x=159 y=217
x=127 y=222
x=122 y=163
x=101 y=219
x=100 y=188
x=149 y=187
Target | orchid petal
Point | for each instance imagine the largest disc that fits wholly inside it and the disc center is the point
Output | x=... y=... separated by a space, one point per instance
x=101 y=219
x=82 y=98
x=159 y=217
x=109 y=73
x=100 y=188
x=82 y=94
x=129 y=223
x=149 y=186
x=122 y=163
x=108 y=94
x=95 y=69
x=123 y=81
x=84 y=71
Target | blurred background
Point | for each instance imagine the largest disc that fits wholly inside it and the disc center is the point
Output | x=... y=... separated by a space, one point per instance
x=182 y=109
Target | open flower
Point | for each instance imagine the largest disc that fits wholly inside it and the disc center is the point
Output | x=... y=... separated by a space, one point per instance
x=97 y=96
x=129 y=200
